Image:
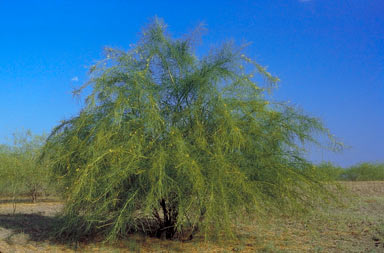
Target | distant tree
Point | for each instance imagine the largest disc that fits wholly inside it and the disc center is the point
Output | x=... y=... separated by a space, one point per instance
x=364 y=172
x=34 y=176
x=330 y=171
x=20 y=172
x=172 y=143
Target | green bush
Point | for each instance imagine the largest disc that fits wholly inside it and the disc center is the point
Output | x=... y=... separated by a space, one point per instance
x=170 y=143
x=20 y=172
x=360 y=172
x=364 y=172
x=330 y=171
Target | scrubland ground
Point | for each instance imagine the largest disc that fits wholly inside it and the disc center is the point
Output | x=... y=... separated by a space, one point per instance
x=355 y=225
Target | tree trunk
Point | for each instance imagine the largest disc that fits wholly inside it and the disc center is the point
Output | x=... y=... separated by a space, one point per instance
x=167 y=226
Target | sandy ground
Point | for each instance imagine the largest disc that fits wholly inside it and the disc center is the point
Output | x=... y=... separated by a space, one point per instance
x=355 y=226
x=25 y=227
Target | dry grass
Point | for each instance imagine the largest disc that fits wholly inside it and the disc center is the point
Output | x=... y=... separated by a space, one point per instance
x=356 y=225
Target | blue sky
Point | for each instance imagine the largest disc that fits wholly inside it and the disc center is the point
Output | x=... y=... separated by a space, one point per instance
x=329 y=55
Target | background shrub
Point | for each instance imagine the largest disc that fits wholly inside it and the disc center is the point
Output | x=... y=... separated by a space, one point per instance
x=364 y=172
x=330 y=171
x=20 y=172
x=359 y=172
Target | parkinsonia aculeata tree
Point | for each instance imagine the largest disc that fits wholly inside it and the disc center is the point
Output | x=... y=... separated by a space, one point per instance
x=172 y=143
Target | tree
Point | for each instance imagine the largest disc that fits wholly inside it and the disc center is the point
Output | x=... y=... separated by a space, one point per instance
x=171 y=143
x=331 y=171
x=33 y=176
x=364 y=172
x=20 y=172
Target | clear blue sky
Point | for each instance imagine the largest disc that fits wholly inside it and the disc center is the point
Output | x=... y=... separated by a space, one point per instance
x=329 y=55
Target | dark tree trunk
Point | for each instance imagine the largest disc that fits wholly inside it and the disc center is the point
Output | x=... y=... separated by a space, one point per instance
x=167 y=226
x=34 y=195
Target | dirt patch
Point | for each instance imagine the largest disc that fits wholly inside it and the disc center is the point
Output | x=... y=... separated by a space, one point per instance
x=366 y=188
x=26 y=227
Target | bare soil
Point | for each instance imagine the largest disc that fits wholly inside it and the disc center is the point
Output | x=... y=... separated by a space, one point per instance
x=355 y=225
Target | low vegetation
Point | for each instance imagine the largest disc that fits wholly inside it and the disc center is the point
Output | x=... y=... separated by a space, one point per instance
x=360 y=172
x=364 y=172
x=20 y=172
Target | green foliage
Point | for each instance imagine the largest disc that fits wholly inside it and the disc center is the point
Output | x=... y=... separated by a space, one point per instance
x=360 y=172
x=330 y=171
x=20 y=172
x=171 y=143
x=364 y=172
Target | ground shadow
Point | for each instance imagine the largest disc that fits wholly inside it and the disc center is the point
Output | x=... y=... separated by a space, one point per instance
x=37 y=227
